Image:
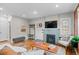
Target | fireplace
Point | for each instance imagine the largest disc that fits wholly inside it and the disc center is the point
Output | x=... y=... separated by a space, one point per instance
x=51 y=35
x=50 y=38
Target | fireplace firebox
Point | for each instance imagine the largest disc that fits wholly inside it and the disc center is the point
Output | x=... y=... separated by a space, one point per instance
x=50 y=38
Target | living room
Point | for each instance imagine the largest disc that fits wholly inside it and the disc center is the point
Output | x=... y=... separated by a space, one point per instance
x=38 y=29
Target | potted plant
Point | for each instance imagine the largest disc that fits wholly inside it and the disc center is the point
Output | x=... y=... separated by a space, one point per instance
x=75 y=41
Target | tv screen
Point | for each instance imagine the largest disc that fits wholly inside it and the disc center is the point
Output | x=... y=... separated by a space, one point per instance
x=51 y=24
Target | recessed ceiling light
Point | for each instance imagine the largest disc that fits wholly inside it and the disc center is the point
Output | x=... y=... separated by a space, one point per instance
x=5 y=15
x=1 y=8
x=23 y=15
x=57 y=6
x=35 y=12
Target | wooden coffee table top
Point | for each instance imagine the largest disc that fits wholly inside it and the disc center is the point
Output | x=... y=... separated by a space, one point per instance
x=41 y=45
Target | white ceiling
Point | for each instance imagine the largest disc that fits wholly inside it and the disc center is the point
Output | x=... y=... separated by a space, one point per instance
x=43 y=9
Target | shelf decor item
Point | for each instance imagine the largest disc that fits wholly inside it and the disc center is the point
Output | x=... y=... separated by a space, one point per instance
x=75 y=41
x=40 y=24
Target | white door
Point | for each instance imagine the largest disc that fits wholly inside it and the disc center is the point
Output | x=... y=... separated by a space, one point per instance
x=4 y=29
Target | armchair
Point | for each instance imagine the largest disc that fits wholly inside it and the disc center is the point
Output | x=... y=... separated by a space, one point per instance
x=65 y=41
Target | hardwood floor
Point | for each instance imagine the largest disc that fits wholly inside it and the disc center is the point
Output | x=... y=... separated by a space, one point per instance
x=70 y=51
x=5 y=41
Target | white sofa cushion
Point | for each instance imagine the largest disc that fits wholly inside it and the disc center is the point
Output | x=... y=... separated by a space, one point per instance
x=65 y=43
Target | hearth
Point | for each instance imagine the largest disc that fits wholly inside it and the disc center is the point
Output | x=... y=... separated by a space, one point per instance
x=50 y=38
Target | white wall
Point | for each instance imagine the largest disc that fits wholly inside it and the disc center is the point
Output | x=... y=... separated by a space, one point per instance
x=39 y=31
x=4 y=28
x=16 y=26
x=78 y=22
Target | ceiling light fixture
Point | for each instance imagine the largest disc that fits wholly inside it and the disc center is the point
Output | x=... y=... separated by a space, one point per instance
x=1 y=9
x=35 y=12
x=57 y=6
x=23 y=15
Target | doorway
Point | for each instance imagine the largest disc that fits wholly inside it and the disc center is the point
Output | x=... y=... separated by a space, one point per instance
x=32 y=31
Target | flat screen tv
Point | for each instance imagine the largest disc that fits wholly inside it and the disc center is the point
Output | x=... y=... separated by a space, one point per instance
x=51 y=24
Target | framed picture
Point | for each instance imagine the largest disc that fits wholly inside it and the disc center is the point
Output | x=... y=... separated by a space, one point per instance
x=23 y=28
